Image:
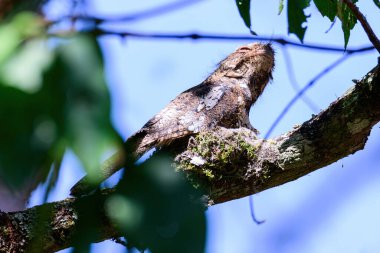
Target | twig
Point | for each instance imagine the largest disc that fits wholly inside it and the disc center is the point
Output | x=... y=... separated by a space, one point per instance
x=198 y=36
x=294 y=83
x=120 y=241
x=363 y=21
x=149 y=13
x=252 y=210
x=303 y=90
x=331 y=26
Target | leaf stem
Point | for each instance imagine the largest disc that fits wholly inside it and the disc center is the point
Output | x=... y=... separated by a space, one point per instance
x=363 y=21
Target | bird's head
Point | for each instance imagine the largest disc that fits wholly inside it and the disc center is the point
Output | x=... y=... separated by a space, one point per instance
x=252 y=64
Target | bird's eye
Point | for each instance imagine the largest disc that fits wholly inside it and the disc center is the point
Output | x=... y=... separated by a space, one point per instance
x=242 y=49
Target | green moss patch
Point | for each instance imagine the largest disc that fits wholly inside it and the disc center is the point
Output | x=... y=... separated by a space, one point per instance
x=213 y=157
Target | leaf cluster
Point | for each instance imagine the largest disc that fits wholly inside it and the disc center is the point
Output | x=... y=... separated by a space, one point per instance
x=54 y=98
x=297 y=19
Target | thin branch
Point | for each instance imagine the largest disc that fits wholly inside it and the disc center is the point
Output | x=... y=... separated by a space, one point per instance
x=142 y=15
x=331 y=26
x=218 y=37
x=252 y=212
x=156 y=11
x=294 y=83
x=303 y=90
x=363 y=21
x=121 y=242
x=196 y=36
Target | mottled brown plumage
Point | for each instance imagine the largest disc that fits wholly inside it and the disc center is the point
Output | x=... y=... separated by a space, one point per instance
x=223 y=99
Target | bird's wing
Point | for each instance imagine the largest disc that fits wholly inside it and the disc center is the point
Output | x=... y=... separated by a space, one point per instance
x=184 y=115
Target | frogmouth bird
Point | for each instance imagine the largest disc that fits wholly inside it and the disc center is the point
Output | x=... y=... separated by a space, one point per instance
x=222 y=100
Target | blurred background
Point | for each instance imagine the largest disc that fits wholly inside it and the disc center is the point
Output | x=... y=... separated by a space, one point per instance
x=334 y=209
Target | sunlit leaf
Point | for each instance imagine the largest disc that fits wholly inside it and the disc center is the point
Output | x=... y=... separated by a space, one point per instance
x=29 y=134
x=328 y=8
x=12 y=33
x=25 y=69
x=297 y=17
x=50 y=99
x=9 y=41
x=280 y=7
x=348 y=19
x=129 y=214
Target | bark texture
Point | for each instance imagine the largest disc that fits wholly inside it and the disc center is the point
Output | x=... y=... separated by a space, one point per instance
x=338 y=131
x=21 y=231
x=229 y=163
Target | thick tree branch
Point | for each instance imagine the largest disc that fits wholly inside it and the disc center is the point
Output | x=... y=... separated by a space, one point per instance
x=22 y=231
x=229 y=163
x=340 y=130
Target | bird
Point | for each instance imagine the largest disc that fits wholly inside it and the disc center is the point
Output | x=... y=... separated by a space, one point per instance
x=223 y=99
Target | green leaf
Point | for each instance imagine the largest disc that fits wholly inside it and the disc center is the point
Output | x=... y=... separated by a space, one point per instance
x=22 y=26
x=26 y=68
x=24 y=146
x=297 y=17
x=244 y=8
x=78 y=72
x=31 y=115
x=156 y=207
x=348 y=19
x=280 y=7
x=29 y=134
x=328 y=8
x=377 y=3
x=51 y=99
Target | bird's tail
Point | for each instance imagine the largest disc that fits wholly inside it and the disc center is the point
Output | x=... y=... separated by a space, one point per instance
x=86 y=185
x=133 y=150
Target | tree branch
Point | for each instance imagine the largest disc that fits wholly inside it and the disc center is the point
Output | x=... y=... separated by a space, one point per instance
x=340 y=130
x=302 y=92
x=210 y=36
x=229 y=163
x=21 y=231
x=140 y=15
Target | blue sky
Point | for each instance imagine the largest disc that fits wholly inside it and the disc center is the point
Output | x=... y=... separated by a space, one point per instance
x=334 y=209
